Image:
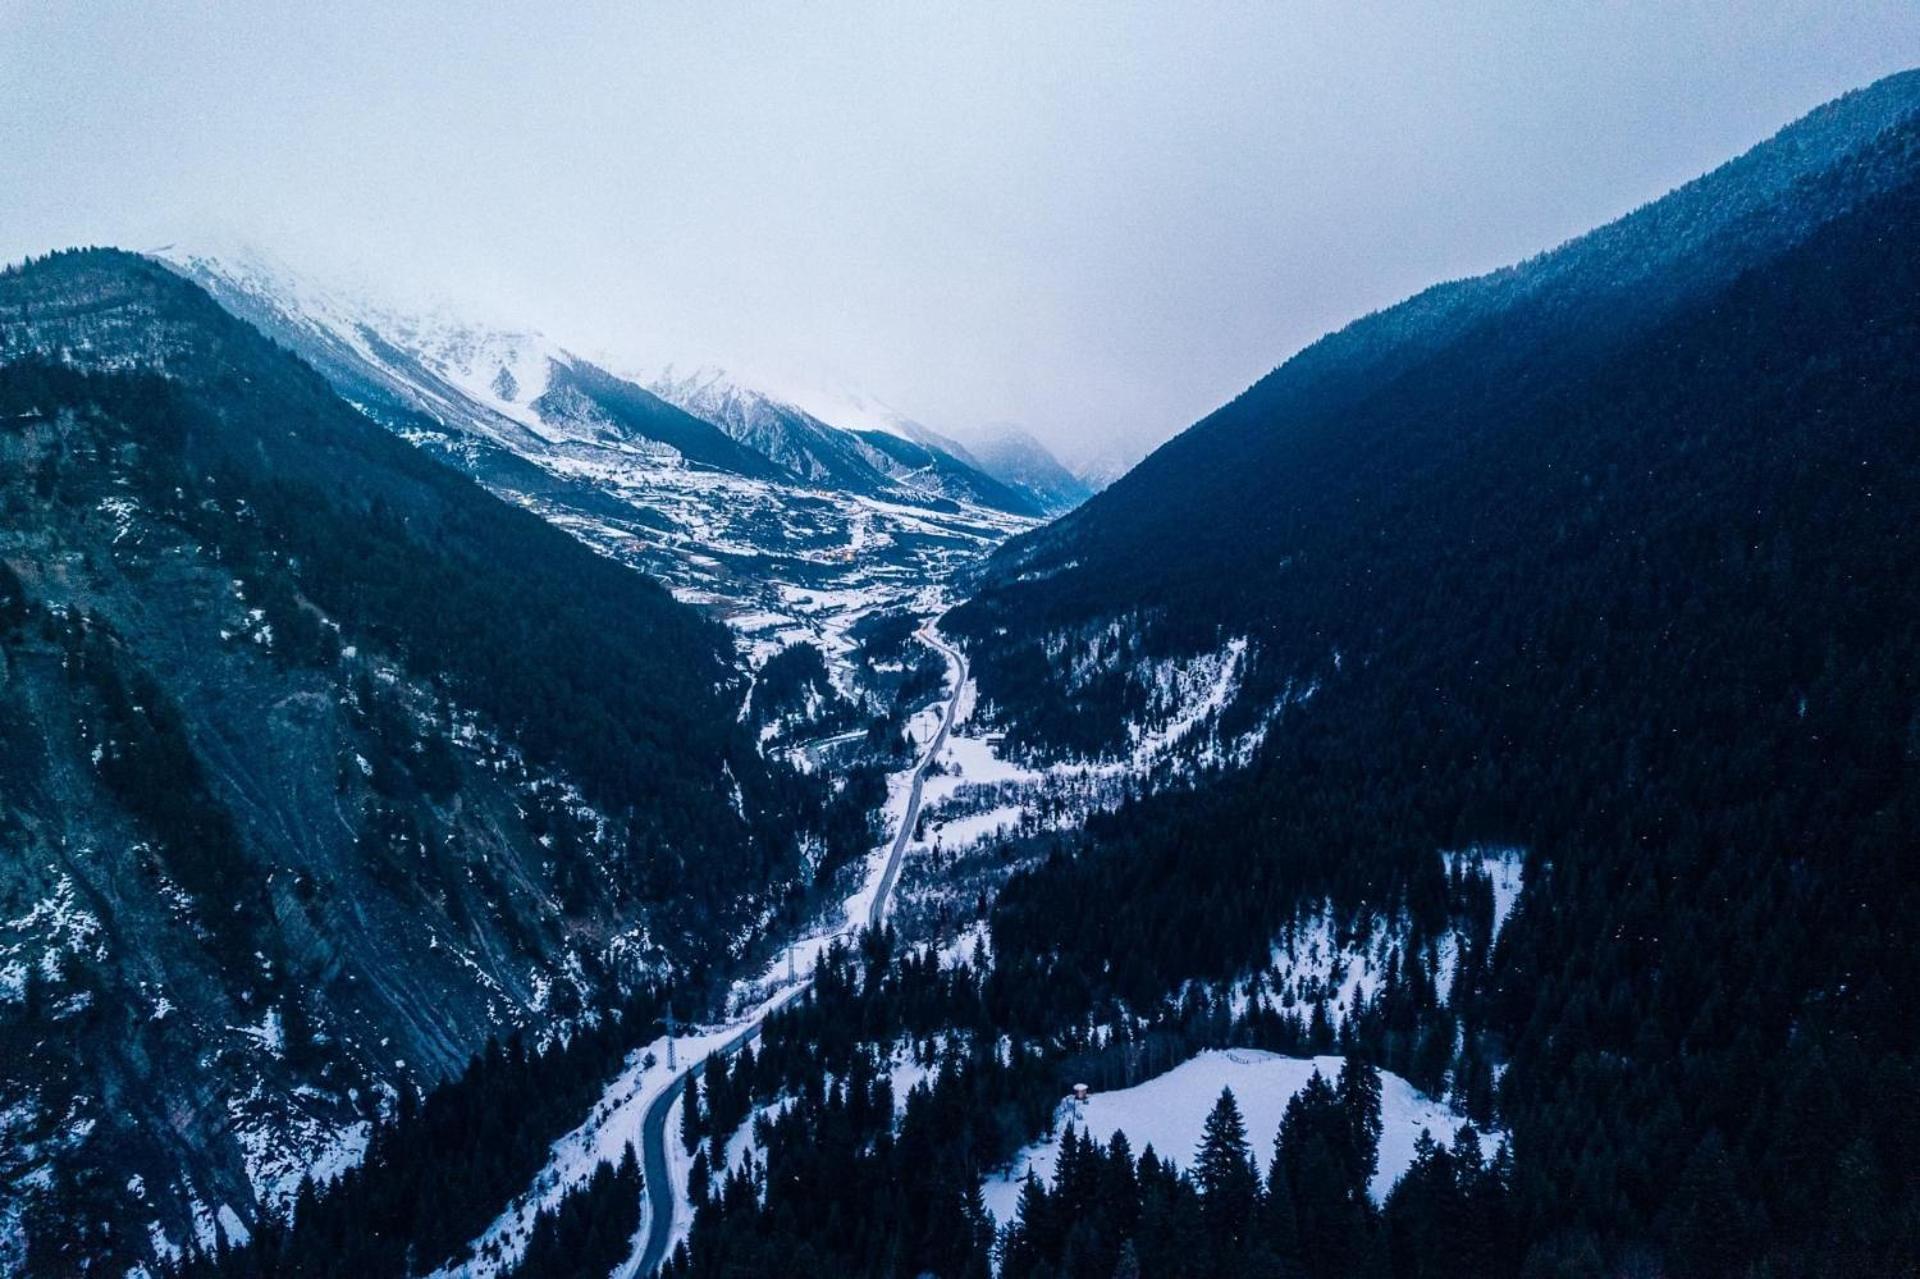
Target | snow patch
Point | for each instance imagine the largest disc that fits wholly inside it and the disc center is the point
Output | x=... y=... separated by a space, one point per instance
x=1169 y=1113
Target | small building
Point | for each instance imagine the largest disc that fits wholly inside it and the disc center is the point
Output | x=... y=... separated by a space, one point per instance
x=1079 y=1092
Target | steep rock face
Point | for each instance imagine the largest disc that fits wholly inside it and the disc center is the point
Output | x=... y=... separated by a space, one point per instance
x=318 y=767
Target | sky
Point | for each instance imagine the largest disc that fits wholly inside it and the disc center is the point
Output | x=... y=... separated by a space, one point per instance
x=1097 y=221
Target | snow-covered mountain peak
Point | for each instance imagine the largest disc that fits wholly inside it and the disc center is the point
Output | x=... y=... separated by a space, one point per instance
x=830 y=405
x=734 y=496
x=436 y=369
x=506 y=371
x=499 y=370
x=710 y=389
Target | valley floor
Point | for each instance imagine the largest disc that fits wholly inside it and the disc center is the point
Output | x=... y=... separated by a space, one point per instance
x=961 y=794
x=641 y=1107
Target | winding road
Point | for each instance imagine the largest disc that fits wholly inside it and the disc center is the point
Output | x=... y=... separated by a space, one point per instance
x=662 y=1201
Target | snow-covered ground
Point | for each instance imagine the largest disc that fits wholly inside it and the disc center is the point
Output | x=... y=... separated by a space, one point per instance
x=982 y=792
x=1170 y=1111
x=1321 y=956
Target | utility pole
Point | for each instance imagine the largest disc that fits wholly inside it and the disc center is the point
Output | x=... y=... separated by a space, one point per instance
x=670 y=1065
x=790 y=976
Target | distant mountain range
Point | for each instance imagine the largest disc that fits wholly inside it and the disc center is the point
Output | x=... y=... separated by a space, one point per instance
x=529 y=395
x=806 y=446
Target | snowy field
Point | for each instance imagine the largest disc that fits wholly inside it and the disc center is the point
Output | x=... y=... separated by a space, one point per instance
x=1169 y=1112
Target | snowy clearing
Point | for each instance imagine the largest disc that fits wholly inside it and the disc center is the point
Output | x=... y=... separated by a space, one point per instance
x=1169 y=1112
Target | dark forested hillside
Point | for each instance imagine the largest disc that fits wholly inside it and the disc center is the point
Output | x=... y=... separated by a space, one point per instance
x=1609 y=557
x=319 y=765
x=1268 y=513
x=514 y=612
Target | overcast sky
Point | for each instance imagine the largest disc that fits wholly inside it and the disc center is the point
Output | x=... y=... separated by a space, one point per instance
x=1096 y=221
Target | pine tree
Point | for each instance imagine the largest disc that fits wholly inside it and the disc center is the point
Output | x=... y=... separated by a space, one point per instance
x=630 y=1171
x=1712 y=1237
x=699 y=1179
x=1359 y=1089
x=1229 y=1184
x=1119 y=1193
x=690 y=1114
x=1277 y=1218
x=979 y=1263
x=1030 y=1239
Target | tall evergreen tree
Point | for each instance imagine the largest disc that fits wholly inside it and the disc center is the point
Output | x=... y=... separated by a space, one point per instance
x=690 y=1113
x=1229 y=1183
x=1359 y=1089
x=1712 y=1238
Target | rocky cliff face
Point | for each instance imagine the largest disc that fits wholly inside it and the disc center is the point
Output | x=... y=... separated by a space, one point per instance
x=318 y=767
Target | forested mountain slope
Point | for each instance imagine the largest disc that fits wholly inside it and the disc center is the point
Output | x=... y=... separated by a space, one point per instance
x=921 y=458
x=319 y=765
x=1257 y=519
x=1608 y=557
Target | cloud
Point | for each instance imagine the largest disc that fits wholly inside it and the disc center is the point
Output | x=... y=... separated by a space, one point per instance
x=1098 y=221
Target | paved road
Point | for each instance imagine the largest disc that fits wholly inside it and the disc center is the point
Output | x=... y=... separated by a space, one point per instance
x=957 y=661
x=661 y=1200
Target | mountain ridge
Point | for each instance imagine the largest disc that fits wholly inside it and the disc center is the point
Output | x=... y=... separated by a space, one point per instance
x=1612 y=572
x=406 y=368
x=1827 y=160
x=517 y=389
x=325 y=766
